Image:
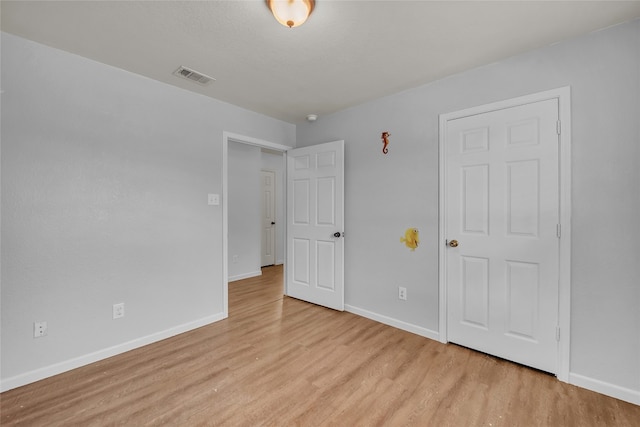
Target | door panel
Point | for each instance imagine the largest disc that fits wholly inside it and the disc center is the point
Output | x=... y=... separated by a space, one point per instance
x=523 y=198
x=315 y=212
x=475 y=291
x=300 y=261
x=301 y=202
x=326 y=252
x=522 y=298
x=475 y=199
x=502 y=206
x=326 y=197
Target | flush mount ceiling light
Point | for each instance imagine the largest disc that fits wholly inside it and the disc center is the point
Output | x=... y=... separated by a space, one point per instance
x=291 y=13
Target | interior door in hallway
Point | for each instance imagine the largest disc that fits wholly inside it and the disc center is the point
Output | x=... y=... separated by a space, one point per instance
x=268 y=199
x=502 y=216
x=315 y=224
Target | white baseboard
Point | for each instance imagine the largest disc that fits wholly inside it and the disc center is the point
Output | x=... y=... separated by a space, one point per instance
x=418 y=330
x=58 y=368
x=245 y=275
x=608 y=389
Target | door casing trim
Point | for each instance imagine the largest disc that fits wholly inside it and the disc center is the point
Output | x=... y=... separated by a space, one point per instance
x=563 y=95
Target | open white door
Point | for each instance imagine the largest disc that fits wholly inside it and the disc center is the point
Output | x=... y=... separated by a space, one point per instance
x=315 y=224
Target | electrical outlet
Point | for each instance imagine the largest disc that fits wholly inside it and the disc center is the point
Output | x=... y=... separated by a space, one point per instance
x=235 y=259
x=39 y=329
x=118 y=310
x=213 y=199
x=402 y=293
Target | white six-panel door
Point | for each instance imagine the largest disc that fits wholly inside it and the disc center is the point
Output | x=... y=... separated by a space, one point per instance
x=268 y=200
x=315 y=223
x=502 y=208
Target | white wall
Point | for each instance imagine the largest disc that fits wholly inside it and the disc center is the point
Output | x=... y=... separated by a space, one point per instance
x=275 y=162
x=105 y=176
x=244 y=211
x=385 y=194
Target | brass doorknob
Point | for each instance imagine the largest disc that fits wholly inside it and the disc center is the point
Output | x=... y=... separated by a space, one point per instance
x=453 y=243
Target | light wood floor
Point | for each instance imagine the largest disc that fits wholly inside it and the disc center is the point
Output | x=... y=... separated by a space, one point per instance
x=282 y=362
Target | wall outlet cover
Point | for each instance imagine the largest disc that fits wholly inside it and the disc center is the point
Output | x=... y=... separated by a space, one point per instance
x=118 y=310
x=39 y=329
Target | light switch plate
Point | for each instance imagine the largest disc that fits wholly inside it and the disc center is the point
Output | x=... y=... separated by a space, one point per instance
x=214 y=199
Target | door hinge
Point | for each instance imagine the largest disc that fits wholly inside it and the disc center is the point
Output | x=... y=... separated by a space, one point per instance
x=558 y=230
x=558 y=127
x=557 y=333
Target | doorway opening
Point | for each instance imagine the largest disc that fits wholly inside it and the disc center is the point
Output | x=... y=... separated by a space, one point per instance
x=250 y=145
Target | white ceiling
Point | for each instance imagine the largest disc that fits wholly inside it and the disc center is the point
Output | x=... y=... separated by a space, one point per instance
x=347 y=53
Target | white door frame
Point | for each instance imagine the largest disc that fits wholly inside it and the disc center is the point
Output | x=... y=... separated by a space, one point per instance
x=564 y=298
x=226 y=138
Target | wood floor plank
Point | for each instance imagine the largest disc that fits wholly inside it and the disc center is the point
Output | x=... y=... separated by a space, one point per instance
x=270 y=364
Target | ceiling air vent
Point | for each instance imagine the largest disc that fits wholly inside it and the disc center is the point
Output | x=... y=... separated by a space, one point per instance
x=192 y=75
